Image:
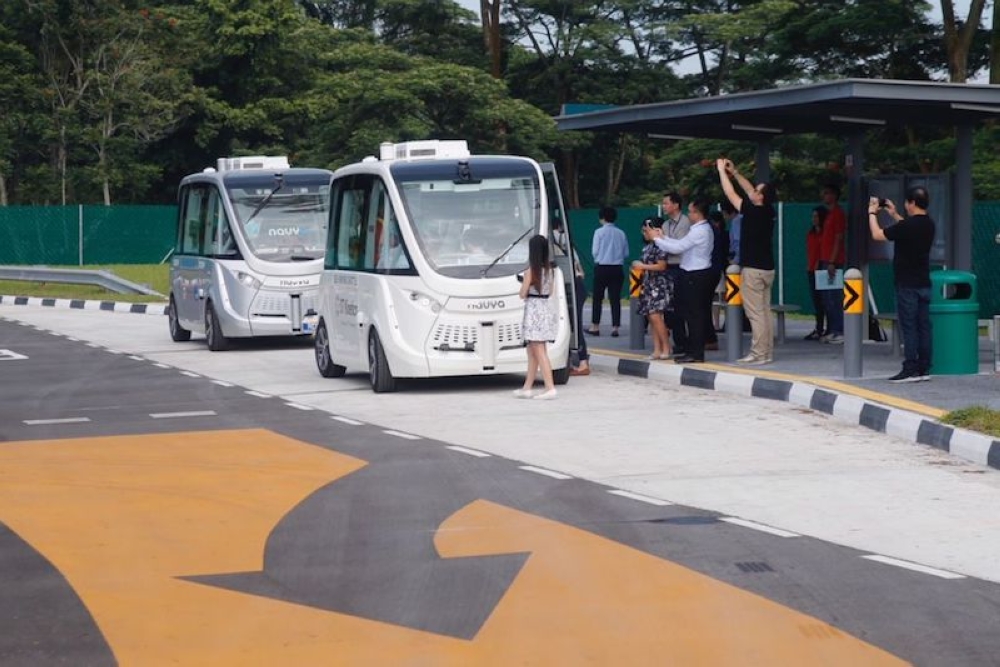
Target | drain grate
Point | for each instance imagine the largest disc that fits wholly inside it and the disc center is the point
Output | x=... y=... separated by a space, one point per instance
x=687 y=520
x=754 y=566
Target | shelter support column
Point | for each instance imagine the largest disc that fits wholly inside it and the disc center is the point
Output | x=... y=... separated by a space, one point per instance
x=857 y=202
x=961 y=214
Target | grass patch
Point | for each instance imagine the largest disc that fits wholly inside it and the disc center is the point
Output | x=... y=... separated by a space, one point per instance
x=154 y=276
x=975 y=418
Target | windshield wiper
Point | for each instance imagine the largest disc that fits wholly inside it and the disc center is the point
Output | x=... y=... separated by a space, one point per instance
x=506 y=250
x=279 y=182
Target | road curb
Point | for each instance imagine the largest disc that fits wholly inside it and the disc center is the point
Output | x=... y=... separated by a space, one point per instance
x=82 y=304
x=911 y=426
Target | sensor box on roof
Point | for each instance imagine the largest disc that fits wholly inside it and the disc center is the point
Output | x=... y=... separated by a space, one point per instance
x=417 y=150
x=253 y=162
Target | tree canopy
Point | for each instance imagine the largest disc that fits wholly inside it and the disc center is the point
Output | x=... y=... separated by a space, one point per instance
x=113 y=101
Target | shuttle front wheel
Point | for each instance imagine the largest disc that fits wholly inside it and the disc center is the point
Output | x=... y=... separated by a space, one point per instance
x=324 y=362
x=217 y=342
x=177 y=333
x=378 y=366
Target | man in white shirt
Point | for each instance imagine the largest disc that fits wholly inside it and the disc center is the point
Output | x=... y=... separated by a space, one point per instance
x=695 y=250
x=676 y=226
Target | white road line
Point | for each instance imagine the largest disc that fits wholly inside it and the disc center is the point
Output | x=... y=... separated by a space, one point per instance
x=640 y=498
x=66 y=420
x=548 y=473
x=258 y=394
x=193 y=413
x=75 y=340
x=906 y=565
x=136 y=357
x=190 y=374
x=346 y=420
x=758 y=526
x=466 y=450
x=92 y=345
x=109 y=350
x=299 y=406
x=400 y=434
x=223 y=383
x=161 y=366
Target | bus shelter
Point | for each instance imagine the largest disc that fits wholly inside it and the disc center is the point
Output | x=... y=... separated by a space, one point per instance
x=845 y=108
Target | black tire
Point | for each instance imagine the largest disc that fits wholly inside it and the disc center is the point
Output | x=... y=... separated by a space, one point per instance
x=378 y=366
x=217 y=342
x=324 y=362
x=177 y=333
x=560 y=376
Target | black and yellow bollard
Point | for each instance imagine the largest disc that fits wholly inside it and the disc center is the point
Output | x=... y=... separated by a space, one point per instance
x=636 y=322
x=734 y=314
x=854 y=330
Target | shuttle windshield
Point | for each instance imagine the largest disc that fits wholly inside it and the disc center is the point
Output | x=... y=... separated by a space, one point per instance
x=466 y=216
x=283 y=220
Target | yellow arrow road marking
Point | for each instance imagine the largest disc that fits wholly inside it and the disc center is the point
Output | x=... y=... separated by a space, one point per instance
x=583 y=599
x=123 y=518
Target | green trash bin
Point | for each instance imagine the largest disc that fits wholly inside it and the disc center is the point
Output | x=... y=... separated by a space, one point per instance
x=954 y=323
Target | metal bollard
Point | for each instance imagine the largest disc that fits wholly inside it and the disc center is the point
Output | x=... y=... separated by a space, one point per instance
x=854 y=330
x=636 y=327
x=734 y=314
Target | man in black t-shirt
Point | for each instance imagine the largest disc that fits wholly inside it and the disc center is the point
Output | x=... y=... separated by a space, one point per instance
x=911 y=265
x=756 y=204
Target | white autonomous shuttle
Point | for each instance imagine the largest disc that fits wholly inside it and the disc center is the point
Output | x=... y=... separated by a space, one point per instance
x=251 y=234
x=422 y=265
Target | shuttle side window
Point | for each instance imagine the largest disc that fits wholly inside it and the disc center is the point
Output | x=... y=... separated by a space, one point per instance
x=194 y=218
x=350 y=231
x=392 y=256
x=221 y=241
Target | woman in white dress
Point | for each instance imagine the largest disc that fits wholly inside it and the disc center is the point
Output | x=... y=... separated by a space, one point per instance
x=539 y=324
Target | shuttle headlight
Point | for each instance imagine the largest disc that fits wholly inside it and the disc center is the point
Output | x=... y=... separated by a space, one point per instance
x=247 y=280
x=425 y=301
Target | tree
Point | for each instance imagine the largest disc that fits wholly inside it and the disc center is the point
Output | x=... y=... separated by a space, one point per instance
x=959 y=36
x=369 y=93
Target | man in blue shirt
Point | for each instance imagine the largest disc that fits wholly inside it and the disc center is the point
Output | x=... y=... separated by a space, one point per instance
x=610 y=250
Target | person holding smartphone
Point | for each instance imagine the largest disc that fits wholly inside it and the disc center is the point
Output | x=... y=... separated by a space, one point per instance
x=913 y=236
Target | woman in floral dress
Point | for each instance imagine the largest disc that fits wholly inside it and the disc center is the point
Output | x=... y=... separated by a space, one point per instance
x=657 y=292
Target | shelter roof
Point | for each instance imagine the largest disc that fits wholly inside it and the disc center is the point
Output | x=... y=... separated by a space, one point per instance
x=834 y=107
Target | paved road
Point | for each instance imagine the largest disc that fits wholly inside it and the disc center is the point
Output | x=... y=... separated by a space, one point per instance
x=297 y=511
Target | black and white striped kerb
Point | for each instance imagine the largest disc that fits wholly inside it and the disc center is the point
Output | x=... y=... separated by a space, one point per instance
x=975 y=447
x=80 y=304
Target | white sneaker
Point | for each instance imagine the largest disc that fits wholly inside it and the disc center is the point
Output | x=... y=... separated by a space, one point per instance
x=759 y=362
x=546 y=395
x=522 y=393
x=834 y=339
x=749 y=359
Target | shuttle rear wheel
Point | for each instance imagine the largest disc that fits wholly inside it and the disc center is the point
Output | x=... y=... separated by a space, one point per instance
x=217 y=342
x=324 y=362
x=378 y=366
x=177 y=333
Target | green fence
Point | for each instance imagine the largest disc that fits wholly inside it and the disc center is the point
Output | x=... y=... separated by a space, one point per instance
x=73 y=235
x=77 y=235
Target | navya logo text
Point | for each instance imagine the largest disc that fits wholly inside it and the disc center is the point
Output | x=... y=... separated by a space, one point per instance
x=488 y=304
x=300 y=282
x=283 y=231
